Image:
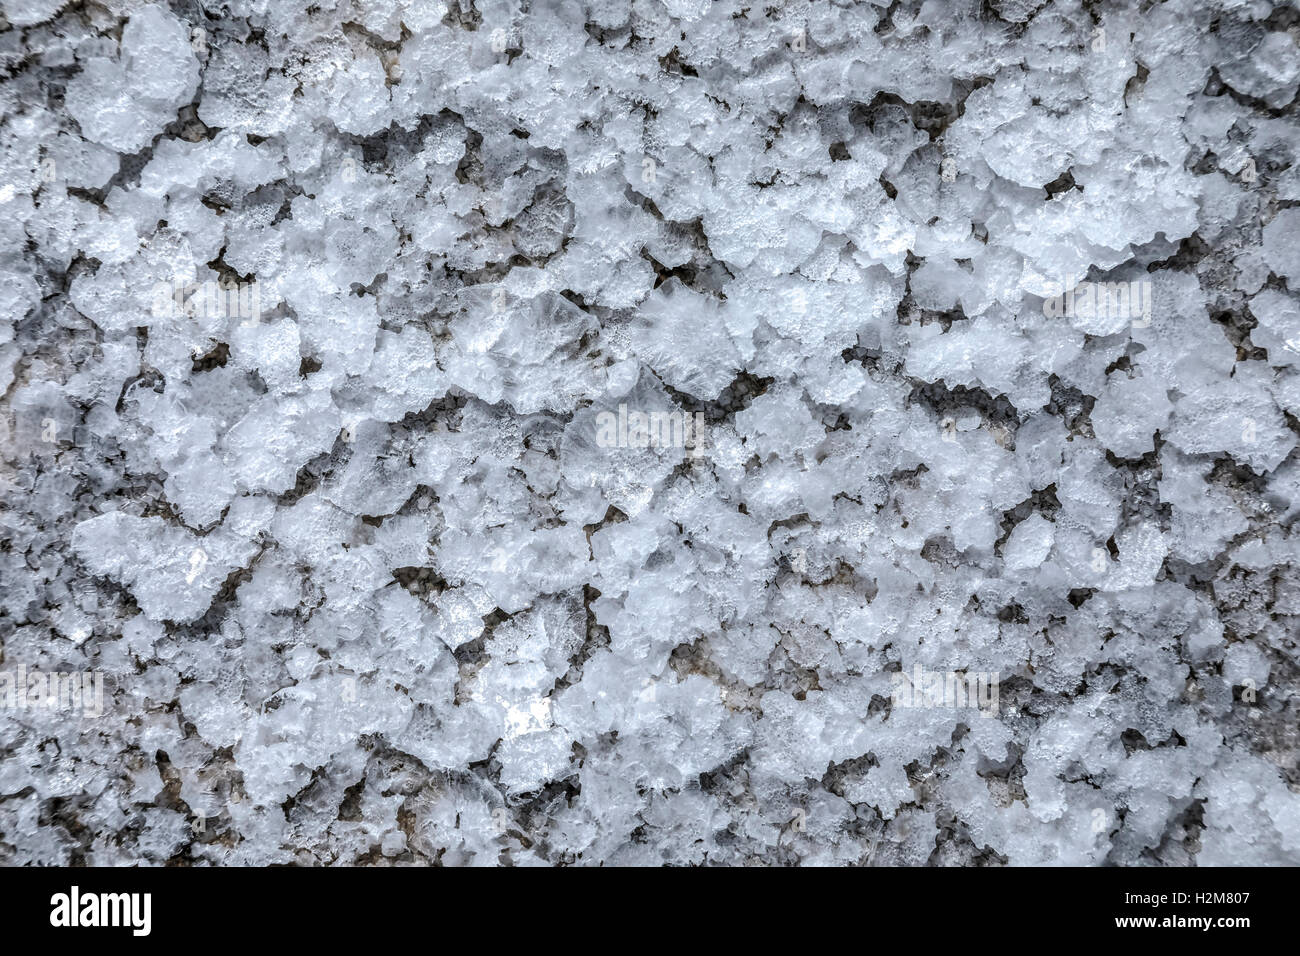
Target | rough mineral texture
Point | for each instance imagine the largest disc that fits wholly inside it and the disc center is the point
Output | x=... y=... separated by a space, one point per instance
x=639 y=432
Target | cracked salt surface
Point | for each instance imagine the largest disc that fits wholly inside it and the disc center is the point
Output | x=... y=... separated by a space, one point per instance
x=650 y=432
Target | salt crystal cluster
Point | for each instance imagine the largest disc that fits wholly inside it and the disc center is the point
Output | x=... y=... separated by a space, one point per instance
x=620 y=432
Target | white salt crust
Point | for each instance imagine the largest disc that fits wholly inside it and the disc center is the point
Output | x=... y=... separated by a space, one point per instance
x=562 y=433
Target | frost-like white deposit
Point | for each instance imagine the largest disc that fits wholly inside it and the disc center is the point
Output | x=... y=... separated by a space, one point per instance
x=663 y=431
